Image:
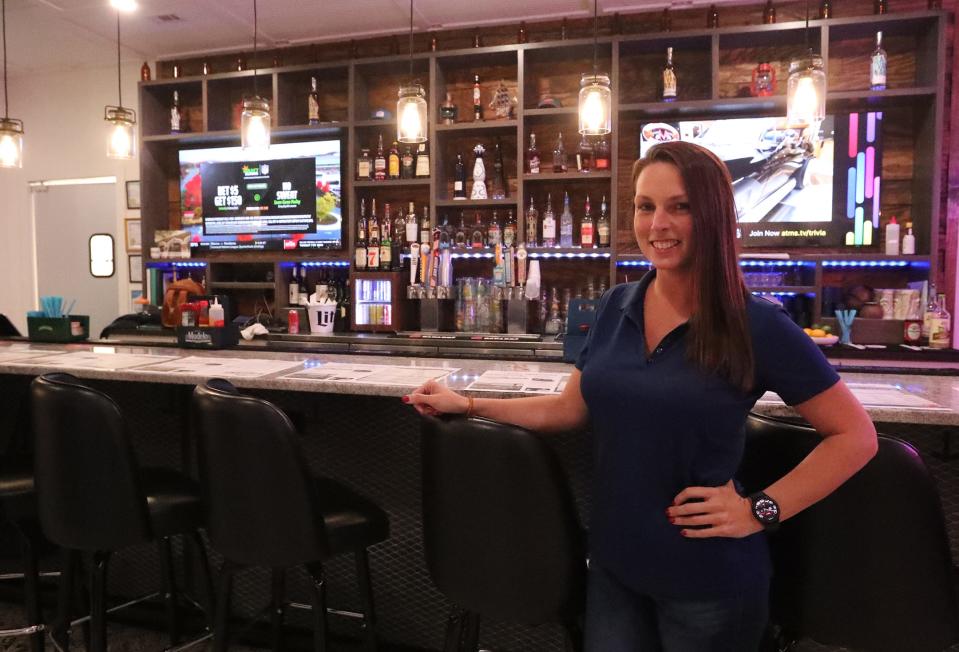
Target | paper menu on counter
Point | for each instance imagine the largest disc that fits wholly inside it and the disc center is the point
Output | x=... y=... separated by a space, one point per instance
x=92 y=360
x=878 y=395
x=538 y=382
x=23 y=355
x=211 y=366
x=370 y=374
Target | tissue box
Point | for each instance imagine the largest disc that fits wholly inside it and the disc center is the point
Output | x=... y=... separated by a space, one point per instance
x=59 y=329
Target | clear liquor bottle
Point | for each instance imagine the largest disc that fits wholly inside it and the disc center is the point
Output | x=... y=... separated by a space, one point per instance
x=566 y=224
x=410 y=226
x=877 y=67
x=559 y=155
x=360 y=253
x=477 y=238
x=940 y=329
x=602 y=225
x=532 y=225
x=494 y=234
x=509 y=230
x=549 y=224
x=669 y=78
x=459 y=238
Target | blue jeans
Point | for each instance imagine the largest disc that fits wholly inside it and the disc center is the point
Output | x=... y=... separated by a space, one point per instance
x=620 y=620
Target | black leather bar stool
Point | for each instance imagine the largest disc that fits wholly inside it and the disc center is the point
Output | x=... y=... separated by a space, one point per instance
x=500 y=527
x=265 y=507
x=94 y=498
x=868 y=567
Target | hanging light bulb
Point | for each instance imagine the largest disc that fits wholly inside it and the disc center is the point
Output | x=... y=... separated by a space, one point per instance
x=255 y=120
x=595 y=94
x=120 y=122
x=411 y=116
x=806 y=92
x=11 y=129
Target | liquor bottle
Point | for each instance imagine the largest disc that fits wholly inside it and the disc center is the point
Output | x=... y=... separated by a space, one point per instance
x=584 y=155
x=176 y=118
x=361 y=233
x=665 y=21
x=398 y=238
x=434 y=44
x=549 y=224
x=393 y=161
x=205 y=68
x=601 y=155
x=422 y=162
x=177 y=71
x=145 y=72
x=459 y=239
x=602 y=226
x=669 y=78
x=877 y=69
x=410 y=226
x=566 y=224
x=587 y=235
x=532 y=155
x=304 y=289
x=499 y=179
x=446 y=233
x=477 y=239
x=386 y=244
x=940 y=330
x=459 y=178
x=712 y=16
x=769 y=13
x=294 y=290
x=532 y=224
x=477 y=99
x=559 y=155
x=425 y=230
x=879 y=7
x=564 y=29
x=448 y=111
x=407 y=163
x=825 y=9
x=509 y=230
x=240 y=64
x=494 y=235
x=554 y=323
x=929 y=314
x=373 y=246
x=477 y=38
x=313 y=104
x=364 y=165
x=521 y=36
x=379 y=163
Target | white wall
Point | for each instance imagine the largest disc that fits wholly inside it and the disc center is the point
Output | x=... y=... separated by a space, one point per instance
x=64 y=137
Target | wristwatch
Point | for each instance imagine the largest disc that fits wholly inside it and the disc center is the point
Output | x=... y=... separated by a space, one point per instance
x=766 y=510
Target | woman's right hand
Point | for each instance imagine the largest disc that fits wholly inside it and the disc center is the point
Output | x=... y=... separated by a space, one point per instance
x=434 y=398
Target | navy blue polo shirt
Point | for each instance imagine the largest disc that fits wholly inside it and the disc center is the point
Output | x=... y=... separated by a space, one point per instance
x=660 y=424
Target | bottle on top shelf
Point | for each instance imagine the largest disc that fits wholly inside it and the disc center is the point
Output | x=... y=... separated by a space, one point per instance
x=712 y=17
x=669 y=78
x=407 y=163
x=459 y=178
x=422 y=162
x=304 y=287
x=940 y=327
x=393 y=161
x=769 y=13
x=176 y=116
x=602 y=225
x=532 y=225
x=601 y=155
x=584 y=155
x=559 y=155
x=566 y=224
x=877 y=67
x=145 y=72
x=313 y=104
x=521 y=34
x=477 y=99
x=825 y=9
x=587 y=233
x=549 y=224
x=879 y=7
x=532 y=156
x=379 y=162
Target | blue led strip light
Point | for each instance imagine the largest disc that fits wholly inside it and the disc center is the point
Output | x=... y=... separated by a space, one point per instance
x=319 y=263
x=164 y=263
x=873 y=263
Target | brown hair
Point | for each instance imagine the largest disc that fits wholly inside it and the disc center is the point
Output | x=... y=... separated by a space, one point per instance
x=719 y=339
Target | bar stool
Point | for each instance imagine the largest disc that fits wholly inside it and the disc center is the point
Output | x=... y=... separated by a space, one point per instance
x=265 y=508
x=94 y=498
x=500 y=528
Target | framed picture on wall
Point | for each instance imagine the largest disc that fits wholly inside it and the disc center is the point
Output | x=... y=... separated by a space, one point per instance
x=132 y=236
x=133 y=194
x=135 y=263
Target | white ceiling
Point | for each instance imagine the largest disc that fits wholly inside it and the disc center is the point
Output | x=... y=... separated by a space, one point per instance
x=49 y=35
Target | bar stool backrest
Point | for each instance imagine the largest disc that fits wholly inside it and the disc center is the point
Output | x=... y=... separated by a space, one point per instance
x=501 y=530
x=869 y=566
x=257 y=488
x=88 y=493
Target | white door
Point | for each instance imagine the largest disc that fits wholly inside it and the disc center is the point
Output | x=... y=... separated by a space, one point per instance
x=66 y=216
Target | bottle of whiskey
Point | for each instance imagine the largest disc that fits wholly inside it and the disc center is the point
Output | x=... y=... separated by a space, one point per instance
x=929 y=314
x=313 y=104
x=477 y=238
x=601 y=155
x=393 y=161
x=425 y=230
x=712 y=17
x=669 y=78
x=509 y=230
x=587 y=236
x=532 y=224
x=584 y=155
x=566 y=224
x=422 y=162
x=459 y=178
x=940 y=327
x=373 y=242
x=386 y=245
x=521 y=36
x=877 y=68
x=176 y=118
x=361 y=234
x=499 y=179
x=532 y=155
x=602 y=225
x=825 y=9
x=769 y=13
x=459 y=239
x=549 y=224
x=398 y=238
x=407 y=163
x=477 y=99
x=410 y=226
x=448 y=111
x=559 y=155
x=379 y=162
x=495 y=234
x=145 y=72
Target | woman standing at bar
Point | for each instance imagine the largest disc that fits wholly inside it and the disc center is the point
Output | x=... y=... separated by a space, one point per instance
x=667 y=377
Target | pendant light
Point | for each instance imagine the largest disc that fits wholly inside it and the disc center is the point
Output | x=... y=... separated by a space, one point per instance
x=806 y=88
x=255 y=120
x=595 y=95
x=120 y=121
x=11 y=129
x=411 y=120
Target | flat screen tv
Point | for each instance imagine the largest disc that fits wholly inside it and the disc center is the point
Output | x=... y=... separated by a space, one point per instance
x=285 y=198
x=793 y=188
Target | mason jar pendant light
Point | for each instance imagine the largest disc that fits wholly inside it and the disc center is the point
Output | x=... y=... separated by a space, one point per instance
x=120 y=122
x=11 y=129
x=411 y=120
x=255 y=119
x=806 y=88
x=595 y=95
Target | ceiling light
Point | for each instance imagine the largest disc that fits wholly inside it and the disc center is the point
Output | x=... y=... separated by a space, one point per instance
x=411 y=114
x=255 y=120
x=11 y=129
x=120 y=121
x=595 y=95
x=124 y=5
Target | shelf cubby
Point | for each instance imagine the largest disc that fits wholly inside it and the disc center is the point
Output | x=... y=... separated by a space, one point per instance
x=332 y=90
x=557 y=72
x=225 y=98
x=156 y=101
x=641 y=68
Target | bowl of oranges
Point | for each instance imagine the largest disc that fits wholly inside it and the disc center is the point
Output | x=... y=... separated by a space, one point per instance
x=821 y=335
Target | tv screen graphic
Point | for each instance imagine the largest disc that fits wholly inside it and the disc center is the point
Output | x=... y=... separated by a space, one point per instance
x=285 y=198
x=791 y=185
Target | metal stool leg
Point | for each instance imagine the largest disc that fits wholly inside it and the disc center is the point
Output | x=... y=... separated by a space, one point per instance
x=168 y=582
x=98 y=602
x=209 y=600
x=366 y=598
x=60 y=632
x=222 y=618
x=277 y=606
x=319 y=606
x=29 y=541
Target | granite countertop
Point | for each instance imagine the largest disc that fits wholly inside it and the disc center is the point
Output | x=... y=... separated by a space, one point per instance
x=943 y=391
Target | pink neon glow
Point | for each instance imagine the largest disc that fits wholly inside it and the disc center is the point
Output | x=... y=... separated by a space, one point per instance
x=870 y=162
x=875 y=202
x=853 y=134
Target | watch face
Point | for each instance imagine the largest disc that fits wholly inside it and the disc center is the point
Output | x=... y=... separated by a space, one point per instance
x=766 y=510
